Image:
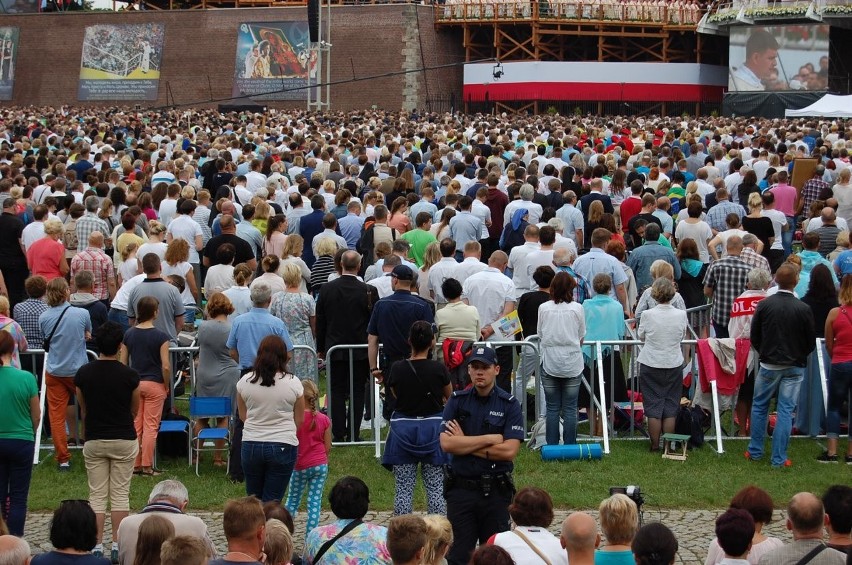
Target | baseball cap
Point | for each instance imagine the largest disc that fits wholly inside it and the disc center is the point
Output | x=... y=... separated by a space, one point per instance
x=402 y=273
x=483 y=354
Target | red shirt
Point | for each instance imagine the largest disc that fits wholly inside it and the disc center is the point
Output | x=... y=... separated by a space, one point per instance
x=629 y=208
x=43 y=258
x=842 y=327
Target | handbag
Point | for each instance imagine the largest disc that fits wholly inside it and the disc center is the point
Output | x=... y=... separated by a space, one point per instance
x=46 y=343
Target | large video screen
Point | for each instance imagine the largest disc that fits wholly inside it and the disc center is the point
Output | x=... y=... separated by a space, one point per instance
x=772 y=58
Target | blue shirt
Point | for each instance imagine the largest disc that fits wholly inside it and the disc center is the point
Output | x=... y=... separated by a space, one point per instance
x=350 y=228
x=249 y=329
x=604 y=322
x=465 y=227
x=596 y=261
x=642 y=258
x=68 y=345
x=844 y=263
x=392 y=318
x=497 y=413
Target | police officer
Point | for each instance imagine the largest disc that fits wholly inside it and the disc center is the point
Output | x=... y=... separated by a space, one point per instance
x=482 y=431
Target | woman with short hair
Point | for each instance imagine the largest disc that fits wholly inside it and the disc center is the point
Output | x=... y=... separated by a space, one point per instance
x=654 y=544
x=662 y=328
x=292 y=253
x=297 y=310
x=349 y=499
x=619 y=518
x=759 y=504
x=73 y=534
x=217 y=372
x=46 y=257
x=532 y=513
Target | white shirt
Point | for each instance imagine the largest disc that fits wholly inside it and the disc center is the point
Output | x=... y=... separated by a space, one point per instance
x=185 y=227
x=159 y=249
x=438 y=273
x=470 y=266
x=662 y=329
x=813 y=225
x=383 y=284
x=779 y=220
x=482 y=212
x=255 y=181
x=219 y=279
x=563 y=242
x=32 y=233
x=240 y=297
x=517 y=262
x=489 y=291
x=543 y=540
x=123 y=294
x=535 y=260
x=168 y=208
x=561 y=328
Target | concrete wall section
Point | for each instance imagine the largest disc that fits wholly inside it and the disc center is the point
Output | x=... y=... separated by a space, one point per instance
x=200 y=49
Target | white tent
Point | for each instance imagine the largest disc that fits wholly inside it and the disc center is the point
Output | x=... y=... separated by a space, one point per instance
x=829 y=106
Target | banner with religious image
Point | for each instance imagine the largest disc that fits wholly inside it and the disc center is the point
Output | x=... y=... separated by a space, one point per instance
x=274 y=61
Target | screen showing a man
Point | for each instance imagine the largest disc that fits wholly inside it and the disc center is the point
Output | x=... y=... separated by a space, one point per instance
x=778 y=58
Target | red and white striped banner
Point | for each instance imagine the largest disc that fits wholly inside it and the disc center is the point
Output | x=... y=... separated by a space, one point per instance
x=620 y=82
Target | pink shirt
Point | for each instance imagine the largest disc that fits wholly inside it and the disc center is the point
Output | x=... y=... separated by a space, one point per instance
x=785 y=198
x=312 y=441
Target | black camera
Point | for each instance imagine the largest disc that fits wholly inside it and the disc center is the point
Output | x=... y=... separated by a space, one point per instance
x=633 y=492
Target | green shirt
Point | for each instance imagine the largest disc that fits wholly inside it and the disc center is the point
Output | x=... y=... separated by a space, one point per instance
x=17 y=387
x=419 y=240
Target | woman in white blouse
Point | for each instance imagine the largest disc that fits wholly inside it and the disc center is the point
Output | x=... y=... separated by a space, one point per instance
x=561 y=327
x=271 y=403
x=662 y=328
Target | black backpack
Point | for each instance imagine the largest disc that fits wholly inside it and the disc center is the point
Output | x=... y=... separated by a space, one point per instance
x=692 y=421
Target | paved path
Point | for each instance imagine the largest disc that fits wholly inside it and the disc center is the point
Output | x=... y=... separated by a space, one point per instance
x=693 y=528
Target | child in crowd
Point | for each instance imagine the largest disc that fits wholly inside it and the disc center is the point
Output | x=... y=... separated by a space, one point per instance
x=311 y=469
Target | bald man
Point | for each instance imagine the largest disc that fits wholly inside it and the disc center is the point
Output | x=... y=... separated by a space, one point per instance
x=806 y=519
x=95 y=260
x=580 y=538
x=827 y=231
x=14 y=550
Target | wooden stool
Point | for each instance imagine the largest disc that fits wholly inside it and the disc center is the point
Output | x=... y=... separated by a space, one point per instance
x=669 y=452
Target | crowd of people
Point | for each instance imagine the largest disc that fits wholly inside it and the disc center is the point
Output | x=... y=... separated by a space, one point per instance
x=166 y=533
x=400 y=247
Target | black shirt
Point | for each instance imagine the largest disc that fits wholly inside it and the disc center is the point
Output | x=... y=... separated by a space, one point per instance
x=631 y=226
x=419 y=394
x=244 y=250
x=11 y=228
x=528 y=310
x=762 y=229
x=107 y=388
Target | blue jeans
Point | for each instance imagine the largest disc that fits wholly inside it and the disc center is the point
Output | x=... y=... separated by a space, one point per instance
x=787 y=383
x=267 y=467
x=839 y=385
x=119 y=317
x=560 y=397
x=16 y=469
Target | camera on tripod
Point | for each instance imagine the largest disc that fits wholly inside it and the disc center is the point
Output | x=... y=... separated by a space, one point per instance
x=633 y=492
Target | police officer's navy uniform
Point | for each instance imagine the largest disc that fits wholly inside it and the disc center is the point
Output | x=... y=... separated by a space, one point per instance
x=478 y=490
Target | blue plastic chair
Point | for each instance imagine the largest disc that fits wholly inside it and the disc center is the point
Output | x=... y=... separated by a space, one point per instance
x=173 y=427
x=210 y=407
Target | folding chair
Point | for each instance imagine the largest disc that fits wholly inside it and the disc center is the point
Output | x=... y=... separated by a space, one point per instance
x=210 y=407
x=173 y=427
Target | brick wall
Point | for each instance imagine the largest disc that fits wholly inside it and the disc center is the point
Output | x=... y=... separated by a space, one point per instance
x=200 y=49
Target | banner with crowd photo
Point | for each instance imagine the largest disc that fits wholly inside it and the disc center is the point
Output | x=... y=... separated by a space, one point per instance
x=121 y=62
x=274 y=61
x=8 y=58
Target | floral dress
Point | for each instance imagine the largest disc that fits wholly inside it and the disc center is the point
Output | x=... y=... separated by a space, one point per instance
x=296 y=310
x=364 y=545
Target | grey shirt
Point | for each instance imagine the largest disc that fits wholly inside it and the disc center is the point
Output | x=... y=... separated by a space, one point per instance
x=171 y=304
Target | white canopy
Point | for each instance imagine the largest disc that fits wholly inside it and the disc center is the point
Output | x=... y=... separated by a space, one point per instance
x=829 y=106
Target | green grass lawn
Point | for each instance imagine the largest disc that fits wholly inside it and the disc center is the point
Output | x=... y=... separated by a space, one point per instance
x=705 y=480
